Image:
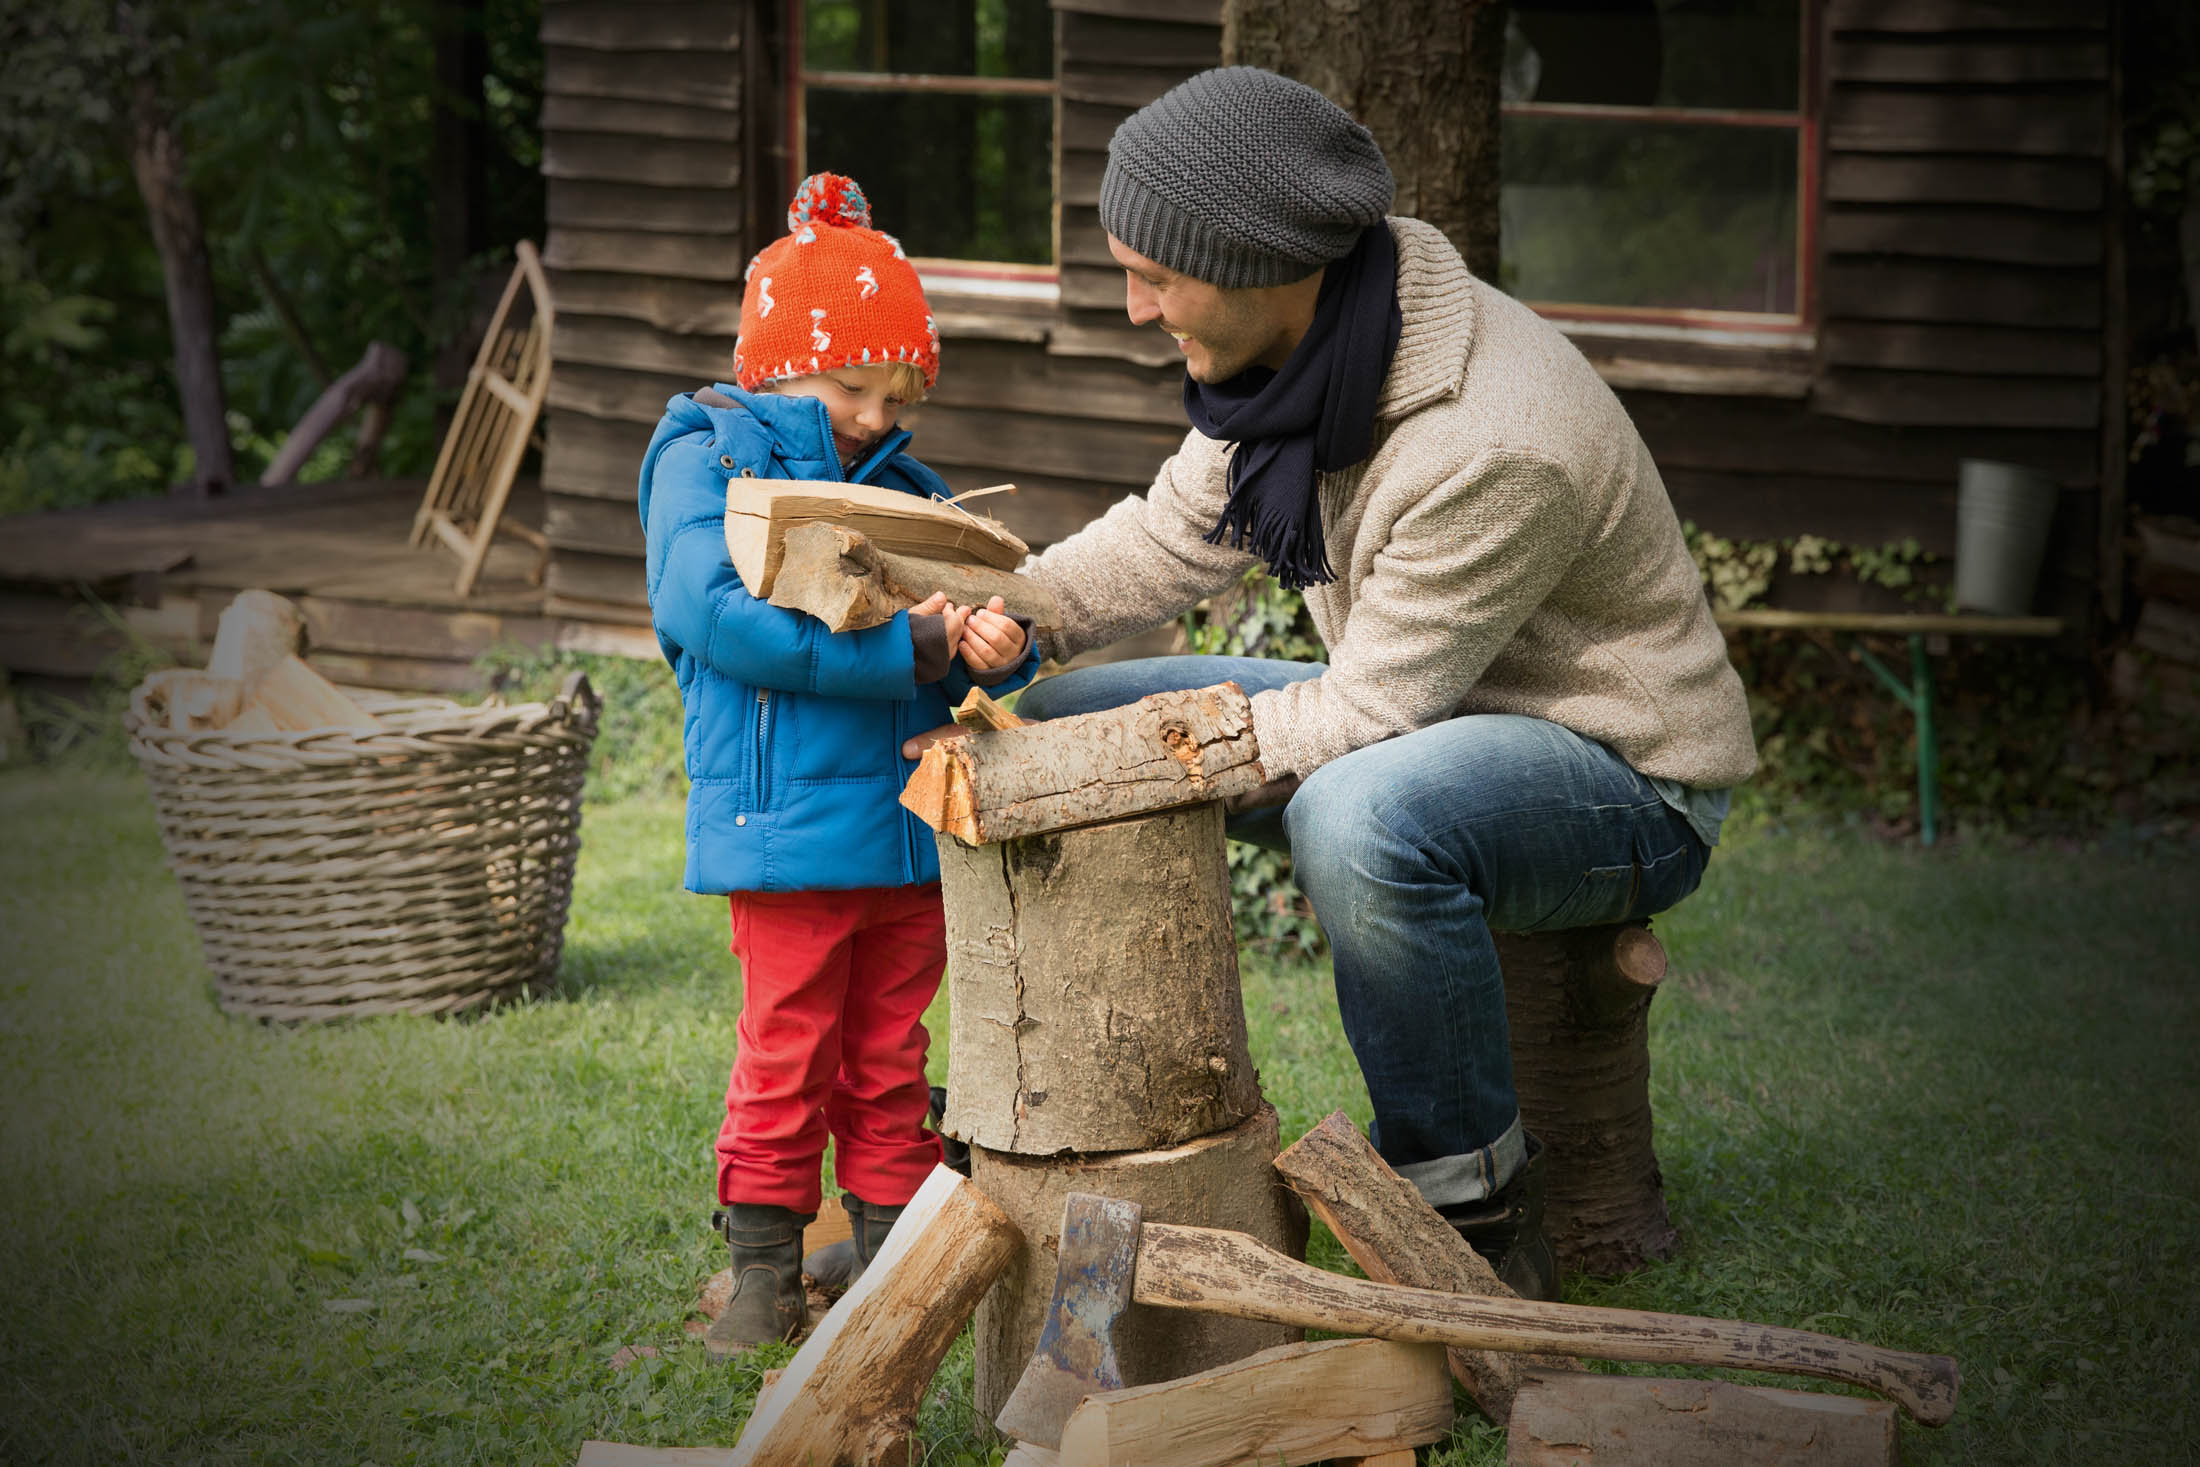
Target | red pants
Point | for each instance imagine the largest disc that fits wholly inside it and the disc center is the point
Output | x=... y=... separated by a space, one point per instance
x=832 y=1039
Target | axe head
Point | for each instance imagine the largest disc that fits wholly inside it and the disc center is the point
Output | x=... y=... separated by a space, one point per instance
x=1076 y=1353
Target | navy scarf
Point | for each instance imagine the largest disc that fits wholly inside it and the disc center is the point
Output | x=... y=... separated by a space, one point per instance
x=1317 y=413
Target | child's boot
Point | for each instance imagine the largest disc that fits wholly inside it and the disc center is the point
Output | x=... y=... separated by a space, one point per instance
x=839 y=1265
x=767 y=1301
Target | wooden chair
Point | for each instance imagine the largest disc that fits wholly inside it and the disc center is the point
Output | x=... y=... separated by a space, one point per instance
x=496 y=416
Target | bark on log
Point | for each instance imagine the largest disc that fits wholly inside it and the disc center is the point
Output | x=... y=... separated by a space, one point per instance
x=1165 y=750
x=1226 y=1180
x=1397 y=1238
x=1093 y=987
x=1578 y=1005
x=1580 y=1420
x=852 y=1391
x=837 y=575
x=1285 y=1406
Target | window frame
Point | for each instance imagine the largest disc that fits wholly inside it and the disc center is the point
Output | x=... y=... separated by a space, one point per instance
x=1693 y=323
x=985 y=281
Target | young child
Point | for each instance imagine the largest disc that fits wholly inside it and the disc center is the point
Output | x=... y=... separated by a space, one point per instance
x=794 y=739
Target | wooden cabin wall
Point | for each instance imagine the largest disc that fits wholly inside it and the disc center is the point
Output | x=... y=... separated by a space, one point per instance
x=643 y=160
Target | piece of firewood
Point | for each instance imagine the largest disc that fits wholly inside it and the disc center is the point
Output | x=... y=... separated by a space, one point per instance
x=1030 y=1454
x=1578 y=1419
x=257 y=630
x=187 y=700
x=760 y=512
x=980 y=714
x=1288 y=1405
x=1403 y=1457
x=850 y=1395
x=839 y=576
x=296 y=697
x=1165 y=750
x=1397 y=1238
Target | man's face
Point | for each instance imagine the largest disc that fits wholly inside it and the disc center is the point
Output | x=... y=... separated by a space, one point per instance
x=1220 y=332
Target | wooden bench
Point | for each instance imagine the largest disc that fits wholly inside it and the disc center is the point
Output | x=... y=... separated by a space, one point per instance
x=1927 y=632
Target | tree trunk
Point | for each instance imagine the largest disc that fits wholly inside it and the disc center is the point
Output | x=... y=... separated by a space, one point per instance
x=1578 y=1004
x=1221 y=1181
x=156 y=156
x=1421 y=74
x=459 y=176
x=1093 y=988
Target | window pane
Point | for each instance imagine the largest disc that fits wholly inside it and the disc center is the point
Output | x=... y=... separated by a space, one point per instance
x=1656 y=53
x=967 y=178
x=1660 y=215
x=987 y=38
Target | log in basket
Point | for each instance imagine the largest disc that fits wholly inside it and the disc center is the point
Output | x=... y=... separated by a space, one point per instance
x=423 y=867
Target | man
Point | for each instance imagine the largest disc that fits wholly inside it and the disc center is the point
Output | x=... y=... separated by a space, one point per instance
x=1527 y=720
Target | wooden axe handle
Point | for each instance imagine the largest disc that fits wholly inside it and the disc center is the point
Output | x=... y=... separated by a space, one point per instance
x=1222 y=1272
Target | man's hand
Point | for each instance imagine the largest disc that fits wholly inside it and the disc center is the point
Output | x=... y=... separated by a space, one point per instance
x=991 y=638
x=914 y=748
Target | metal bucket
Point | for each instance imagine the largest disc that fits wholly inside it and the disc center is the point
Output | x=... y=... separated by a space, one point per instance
x=2003 y=513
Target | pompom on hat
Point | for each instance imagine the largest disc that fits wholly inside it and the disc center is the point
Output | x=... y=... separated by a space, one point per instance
x=834 y=292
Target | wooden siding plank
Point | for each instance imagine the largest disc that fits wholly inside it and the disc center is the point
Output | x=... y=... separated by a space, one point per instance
x=616 y=158
x=1013 y=377
x=1974 y=63
x=2037 y=183
x=616 y=393
x=688 y=306
x=1087 y=126
x=1019 y=443
x=1941 y=399
x=1117 y=86
x=1107 y=332
x=609 y=341
x=567 y=113
x=586 y=203
x=693 y=78
x=660 y=25
x=1107 y=40
x=1963 y=15
x=2042 y=124
x=1194 y=12
x=1087 y=287
x=1854 y=512
x=1776 y=436
x=707 y=257
x=2004 y=295
x=337 y=625
x=1080 y=177
x=1992 y=350
x=1043 y=509
x=2012 y=236
x=597 y=457
x=601 y=526
x=583 y=576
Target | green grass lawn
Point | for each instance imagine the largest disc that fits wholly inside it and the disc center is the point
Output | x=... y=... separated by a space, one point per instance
x=1937 y=1100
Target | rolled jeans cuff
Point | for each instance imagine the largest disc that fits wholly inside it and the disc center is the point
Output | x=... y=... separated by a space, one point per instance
x=1470 y=1176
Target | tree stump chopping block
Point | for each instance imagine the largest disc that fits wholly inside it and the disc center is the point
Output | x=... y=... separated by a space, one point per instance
x=1093 y=988
x=1578 y=1005
x=1221 y=1181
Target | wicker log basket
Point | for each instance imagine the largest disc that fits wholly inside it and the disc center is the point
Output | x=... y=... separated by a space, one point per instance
x=423 y=867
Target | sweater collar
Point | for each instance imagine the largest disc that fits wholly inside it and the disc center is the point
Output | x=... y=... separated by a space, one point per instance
x=1437 y=307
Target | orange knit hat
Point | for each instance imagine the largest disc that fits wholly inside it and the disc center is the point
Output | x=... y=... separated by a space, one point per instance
x=833 y=293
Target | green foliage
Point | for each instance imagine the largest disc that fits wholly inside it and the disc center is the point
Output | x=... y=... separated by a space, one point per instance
x=638 y=742
x=1738 y=574
x=1259 y=618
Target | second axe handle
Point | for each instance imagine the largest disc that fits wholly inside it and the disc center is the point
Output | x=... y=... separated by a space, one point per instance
x=1221 y=1272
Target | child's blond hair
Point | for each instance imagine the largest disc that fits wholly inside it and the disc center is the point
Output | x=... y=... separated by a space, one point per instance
x=904 y=380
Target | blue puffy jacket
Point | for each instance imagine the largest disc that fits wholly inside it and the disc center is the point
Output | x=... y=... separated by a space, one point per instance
x=793 y=733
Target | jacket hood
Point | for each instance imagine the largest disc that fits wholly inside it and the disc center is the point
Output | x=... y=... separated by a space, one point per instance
x=797 y=431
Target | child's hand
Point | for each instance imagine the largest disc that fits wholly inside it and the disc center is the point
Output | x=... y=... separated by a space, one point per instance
x=991 y=639
x=952 y=617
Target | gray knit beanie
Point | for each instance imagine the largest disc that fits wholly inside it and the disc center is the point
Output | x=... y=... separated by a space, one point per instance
x=1240 y=177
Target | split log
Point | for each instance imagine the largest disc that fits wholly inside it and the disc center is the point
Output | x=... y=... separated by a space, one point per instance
x=1093 y=1001
x=377 y=378
x=1280 y=1408
x=979 y=713
x=837 y=575
x=1581 y=1420
x=186 y=700
x=1225 y=1180
x=295 y=697
x=761 y=512
x=1165 y=750
x=1397 y=1238
x=850 y=1395
x=257 y=630
x=1578 y=1005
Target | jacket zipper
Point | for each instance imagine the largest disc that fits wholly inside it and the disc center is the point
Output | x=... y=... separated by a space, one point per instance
x=908 y=821
x=763 y=747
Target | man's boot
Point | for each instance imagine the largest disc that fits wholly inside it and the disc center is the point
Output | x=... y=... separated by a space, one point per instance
x=767 y=1301
x=1507 y=1229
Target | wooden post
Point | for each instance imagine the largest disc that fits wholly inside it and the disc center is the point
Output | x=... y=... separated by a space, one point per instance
x=1093 y=988
x=1578 y=1005
x=1225 y=1180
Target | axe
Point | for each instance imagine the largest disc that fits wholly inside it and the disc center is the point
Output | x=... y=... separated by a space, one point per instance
x=1111 y=1259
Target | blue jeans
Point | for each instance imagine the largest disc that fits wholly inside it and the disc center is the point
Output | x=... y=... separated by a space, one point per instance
x=1410 y=851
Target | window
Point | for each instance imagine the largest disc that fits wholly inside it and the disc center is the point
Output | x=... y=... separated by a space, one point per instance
x=1658 y=161
x=944 y=112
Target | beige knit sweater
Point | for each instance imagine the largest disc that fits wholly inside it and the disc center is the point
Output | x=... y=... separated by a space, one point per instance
x=1508 y=547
